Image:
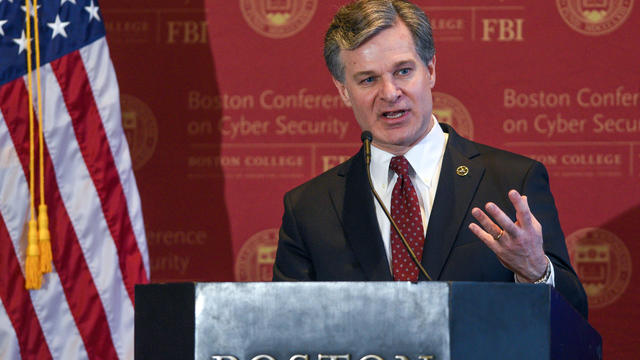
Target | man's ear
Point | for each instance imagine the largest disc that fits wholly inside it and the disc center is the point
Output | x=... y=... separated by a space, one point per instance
x=431 y=68
x=342 y=90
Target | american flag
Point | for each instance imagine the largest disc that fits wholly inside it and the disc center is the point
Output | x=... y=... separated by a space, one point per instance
x=85 y=308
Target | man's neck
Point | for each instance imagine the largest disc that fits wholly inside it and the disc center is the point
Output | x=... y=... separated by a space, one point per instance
x=399 y=150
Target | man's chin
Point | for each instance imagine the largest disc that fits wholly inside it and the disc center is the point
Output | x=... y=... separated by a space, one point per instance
x=393 y=144
x=401 y=137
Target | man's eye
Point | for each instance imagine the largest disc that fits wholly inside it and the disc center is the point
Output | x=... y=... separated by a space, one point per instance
x=368 y=80
x=404 y=71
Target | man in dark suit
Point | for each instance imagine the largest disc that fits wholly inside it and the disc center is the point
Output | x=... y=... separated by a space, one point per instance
x=382 y=59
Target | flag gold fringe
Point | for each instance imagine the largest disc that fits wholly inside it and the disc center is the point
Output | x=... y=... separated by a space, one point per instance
x=33 y=276
x=44 y=238
x=43 y=220
x=39 y=254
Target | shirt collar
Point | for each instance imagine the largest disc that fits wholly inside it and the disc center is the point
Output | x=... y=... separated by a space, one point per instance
x=423 y=157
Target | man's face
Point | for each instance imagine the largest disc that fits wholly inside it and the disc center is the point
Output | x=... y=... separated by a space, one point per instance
x=389 y=89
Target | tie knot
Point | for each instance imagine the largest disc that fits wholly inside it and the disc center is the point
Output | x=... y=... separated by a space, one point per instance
x=399 y=165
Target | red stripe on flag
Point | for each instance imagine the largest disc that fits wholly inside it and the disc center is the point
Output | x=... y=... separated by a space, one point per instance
x=75 y=277
x=17 y=302
x=14 y=103
x=94 y=145
x=14 y=296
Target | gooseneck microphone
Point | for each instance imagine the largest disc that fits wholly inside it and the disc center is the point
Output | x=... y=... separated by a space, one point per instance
x=366 y=138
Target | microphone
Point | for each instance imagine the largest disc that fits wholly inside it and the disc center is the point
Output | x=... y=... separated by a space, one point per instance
x=366 y=138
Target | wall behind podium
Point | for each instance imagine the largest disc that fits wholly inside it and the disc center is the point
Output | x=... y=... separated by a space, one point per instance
x=227 y=104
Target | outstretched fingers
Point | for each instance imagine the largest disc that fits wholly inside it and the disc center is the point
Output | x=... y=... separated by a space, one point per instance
x=523 y=212
x=487 y=231
x=503 y=220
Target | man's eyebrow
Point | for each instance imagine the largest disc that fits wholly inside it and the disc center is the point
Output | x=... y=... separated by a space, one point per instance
x=403 y=63
x=366 y=73
x=398 y=64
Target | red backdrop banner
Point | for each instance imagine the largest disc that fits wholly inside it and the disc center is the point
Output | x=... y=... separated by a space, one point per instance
x=228 y=104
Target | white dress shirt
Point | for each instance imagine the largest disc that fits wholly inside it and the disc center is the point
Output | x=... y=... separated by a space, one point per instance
x=425 y=160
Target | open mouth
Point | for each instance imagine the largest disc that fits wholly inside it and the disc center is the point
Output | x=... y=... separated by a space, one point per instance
x=394 y=114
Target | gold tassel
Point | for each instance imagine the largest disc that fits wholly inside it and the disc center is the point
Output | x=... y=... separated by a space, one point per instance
x=43 y=220
x=32 y=267
x=33 y=275
x=44 y=238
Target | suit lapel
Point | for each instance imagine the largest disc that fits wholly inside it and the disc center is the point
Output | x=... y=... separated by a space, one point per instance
x=451 y=204
x=360 y=222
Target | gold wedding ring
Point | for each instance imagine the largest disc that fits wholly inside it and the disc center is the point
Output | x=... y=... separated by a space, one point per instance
x=499 y=235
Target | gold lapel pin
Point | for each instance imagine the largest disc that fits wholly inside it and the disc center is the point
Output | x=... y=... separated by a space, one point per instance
x=462 y=170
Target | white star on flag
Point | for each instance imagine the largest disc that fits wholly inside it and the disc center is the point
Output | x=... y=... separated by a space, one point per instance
x=32 y=12
x=2 y=22
x=64 y=1
x=22 y=42
x=93 y=11
x=58 y=27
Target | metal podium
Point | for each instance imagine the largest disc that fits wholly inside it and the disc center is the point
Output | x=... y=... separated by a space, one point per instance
x=359 y=321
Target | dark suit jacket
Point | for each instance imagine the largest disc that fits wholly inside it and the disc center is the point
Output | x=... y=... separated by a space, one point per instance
x=330 y=231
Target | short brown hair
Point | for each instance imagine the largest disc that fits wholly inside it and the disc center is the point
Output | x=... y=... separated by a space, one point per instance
x=360 y=20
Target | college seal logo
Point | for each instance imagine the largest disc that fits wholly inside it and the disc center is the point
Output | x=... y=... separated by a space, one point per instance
x=140 y=128
x=451 y=111
x=255 y=260
x=278 y=18
x=603 y=264
x=594 y=17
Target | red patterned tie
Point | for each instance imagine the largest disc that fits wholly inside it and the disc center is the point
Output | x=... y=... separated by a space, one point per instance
x=405 y=210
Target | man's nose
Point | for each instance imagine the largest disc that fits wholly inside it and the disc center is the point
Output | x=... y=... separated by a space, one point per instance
x=389 y=91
